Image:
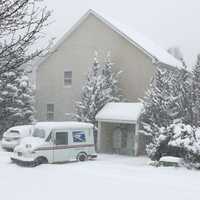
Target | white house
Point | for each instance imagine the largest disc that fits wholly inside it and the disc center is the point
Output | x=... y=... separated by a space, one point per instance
x=60 y=75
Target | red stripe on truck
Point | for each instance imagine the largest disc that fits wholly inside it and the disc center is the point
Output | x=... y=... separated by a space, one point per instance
x=64 y=147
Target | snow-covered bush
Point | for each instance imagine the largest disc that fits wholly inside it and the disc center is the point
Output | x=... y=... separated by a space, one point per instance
x=173 y=96
x=179 y=140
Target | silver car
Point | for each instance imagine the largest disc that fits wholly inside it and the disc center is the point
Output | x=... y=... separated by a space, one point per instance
x=11 y=138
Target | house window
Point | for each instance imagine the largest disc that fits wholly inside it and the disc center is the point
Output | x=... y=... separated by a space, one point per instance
x=50 y=112
x=68 y=78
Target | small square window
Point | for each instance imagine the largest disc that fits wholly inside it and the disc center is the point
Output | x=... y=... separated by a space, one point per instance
x=68 y=78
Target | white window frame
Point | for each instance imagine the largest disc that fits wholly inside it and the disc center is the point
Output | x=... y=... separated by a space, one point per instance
x=50 y=112
x=67 y=78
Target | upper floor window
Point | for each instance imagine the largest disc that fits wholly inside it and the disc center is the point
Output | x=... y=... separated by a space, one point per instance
x=50 y=112
x=67 y=78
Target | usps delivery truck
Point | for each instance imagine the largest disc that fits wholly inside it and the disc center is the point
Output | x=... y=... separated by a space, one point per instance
x=54 y=142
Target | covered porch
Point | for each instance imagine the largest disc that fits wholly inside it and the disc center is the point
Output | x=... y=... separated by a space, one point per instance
x=118 y=129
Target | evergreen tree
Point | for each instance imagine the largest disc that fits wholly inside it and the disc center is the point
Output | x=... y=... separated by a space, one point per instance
x=195 y=96
x=110 y=91
x=16 y=99
x=157 y=99
x=168 y=99
x=100 y=87
x=86 y=107
x=22 y=24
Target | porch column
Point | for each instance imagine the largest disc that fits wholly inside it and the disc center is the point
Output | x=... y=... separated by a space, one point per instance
x=99 y=137
x=136 y=141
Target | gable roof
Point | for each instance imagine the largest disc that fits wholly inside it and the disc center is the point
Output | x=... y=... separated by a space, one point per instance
x=148 y=47
x=120 y=112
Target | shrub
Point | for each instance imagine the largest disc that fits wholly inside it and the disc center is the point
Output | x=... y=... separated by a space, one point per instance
x=179 y=140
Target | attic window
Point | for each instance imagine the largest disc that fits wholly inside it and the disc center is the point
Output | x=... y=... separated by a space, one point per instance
x=67 y=78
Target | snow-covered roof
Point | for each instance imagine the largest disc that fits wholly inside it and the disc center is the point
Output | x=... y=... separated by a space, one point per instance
x=67 y=124
x=21 y=127
x=155 y=52
x=120 y=112
x=23 y=130
x=138 y=40
x=171 y=159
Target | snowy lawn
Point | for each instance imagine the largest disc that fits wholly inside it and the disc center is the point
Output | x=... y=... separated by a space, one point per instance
x=109 y=177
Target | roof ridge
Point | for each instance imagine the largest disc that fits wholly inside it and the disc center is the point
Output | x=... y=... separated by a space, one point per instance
x=144 y=44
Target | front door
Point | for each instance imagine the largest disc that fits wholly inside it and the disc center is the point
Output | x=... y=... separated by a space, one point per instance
x=123 y=139
x=116 y=140
x=60 y=149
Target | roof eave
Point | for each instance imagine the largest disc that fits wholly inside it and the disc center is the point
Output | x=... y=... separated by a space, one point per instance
x=117 y=121
x=162 y=64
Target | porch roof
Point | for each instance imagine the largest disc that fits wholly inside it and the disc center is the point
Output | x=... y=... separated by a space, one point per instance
x=120 y=112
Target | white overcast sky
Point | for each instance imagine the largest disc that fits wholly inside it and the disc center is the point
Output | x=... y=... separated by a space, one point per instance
x=166 y=22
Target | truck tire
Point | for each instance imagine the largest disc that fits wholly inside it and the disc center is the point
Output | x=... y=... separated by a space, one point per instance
x=82 y=157
x=39 y=161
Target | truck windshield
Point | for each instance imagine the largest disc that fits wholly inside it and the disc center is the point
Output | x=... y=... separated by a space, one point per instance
x=39 y=133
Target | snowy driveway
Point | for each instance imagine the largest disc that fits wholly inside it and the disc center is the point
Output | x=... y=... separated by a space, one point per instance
x=107 y=178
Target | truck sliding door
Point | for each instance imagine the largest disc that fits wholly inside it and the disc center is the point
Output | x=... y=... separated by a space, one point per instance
x=60 y=149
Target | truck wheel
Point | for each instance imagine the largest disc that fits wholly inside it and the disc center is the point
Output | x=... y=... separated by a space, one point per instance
x=39 y=161
x=82 y=157
x=43 y=160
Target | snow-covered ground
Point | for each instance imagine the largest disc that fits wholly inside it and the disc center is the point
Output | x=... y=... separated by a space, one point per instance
x=110 y=177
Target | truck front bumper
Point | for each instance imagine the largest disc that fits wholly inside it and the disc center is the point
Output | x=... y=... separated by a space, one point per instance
x=23 y=161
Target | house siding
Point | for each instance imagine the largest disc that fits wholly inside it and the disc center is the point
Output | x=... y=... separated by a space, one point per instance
x=76 y=53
